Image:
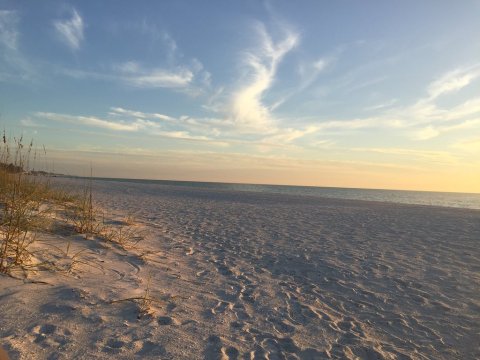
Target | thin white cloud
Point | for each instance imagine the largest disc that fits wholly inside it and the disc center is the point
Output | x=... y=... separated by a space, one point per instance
x=134 y=121
x=309 y=73
x=160 y=78
x=453 y=81
x=13 y=65
x=364 y=84
x=71 y=30
x=426 y=133
x=247 y=108
x=97 y=122
x=185 y=135
x=137 y=75
x=425 y=118
x=8 y=29
x=172 y=71
x=430 y=132
x=171 y=47
x=288 y=135
x=28 y=122
x=383 y=105
x=128 y=67
x=140 y=114
x=189 y=77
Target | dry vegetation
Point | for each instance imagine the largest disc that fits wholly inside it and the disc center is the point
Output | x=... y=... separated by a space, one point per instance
x=21 y=197
x=29 y=204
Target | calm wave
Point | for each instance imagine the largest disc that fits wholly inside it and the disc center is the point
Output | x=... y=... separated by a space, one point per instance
x=448 y=199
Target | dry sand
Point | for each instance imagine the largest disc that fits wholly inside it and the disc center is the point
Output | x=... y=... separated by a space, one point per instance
x=241 y=275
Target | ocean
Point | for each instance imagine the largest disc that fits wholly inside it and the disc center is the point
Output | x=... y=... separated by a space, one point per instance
x=430 y=198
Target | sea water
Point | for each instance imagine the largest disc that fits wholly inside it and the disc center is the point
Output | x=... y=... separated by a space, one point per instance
x=432 y=198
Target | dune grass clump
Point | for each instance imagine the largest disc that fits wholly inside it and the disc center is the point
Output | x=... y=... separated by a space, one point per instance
x=88 y=219
x=29 y=205
x=127 y=237
x=21 y=197
x=144 y=302
x=84 y=216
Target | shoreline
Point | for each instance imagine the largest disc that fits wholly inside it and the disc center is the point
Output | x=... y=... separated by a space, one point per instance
x=237 y=275
x=473 y=204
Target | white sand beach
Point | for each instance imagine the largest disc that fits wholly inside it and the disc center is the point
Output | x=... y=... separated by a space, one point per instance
x=239 y=275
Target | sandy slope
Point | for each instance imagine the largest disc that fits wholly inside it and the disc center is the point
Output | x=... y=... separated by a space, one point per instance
x=257 y=276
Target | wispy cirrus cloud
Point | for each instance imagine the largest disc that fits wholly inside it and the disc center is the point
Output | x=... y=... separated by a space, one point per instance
x=425 y=119
x=8 y=29
x=429 y=119
x=131 y=121
x=453 y=81
x=170 y=72
x=308 y=72
x=71 y=30
x=135 y=75
x=246 y=104
x=115 y=111
x=14 y=66
x=93 y=121
x=288 y=135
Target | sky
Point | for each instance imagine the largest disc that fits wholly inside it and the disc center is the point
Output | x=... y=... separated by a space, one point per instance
x=366 y=94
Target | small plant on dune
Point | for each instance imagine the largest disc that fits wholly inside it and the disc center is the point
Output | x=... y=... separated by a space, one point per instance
x=143 y=302
x=129 y=219
x=69 y=259
x=84 y=215
x=125 y=236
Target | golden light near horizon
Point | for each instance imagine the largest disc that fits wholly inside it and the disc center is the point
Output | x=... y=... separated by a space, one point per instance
x=264 y=170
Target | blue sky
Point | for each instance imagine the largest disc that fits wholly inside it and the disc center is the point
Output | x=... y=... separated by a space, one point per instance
x=334 y=93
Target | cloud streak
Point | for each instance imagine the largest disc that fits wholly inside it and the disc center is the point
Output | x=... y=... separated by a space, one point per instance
x=139 y=114
x=71 y=31
x=453 y=81
x=14 y=66
x=132 y=121
x=189 y=77
x=97 y=122
x=8 y=29
x=135 y=75
x=247 y=108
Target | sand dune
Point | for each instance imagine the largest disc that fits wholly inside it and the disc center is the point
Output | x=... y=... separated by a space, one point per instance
x=241 y=275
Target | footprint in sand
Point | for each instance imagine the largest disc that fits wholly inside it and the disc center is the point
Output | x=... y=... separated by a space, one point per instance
x=201 y=273
x=149 y=348
x=270 y=346
x=281 y=326
x=50 y=335
x=247 y=293
x=240 y=312
x=114 y=346
x=221 y=307
x=167 y=320
x=215 y=350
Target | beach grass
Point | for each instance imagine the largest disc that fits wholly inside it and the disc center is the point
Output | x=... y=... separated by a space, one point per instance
x=29 y=204
x=21 y=199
